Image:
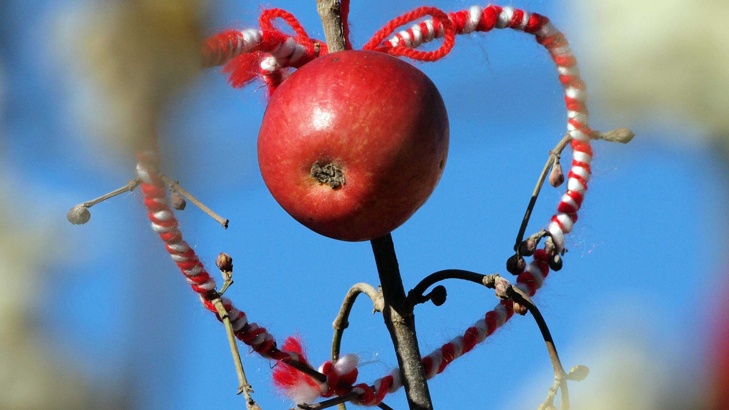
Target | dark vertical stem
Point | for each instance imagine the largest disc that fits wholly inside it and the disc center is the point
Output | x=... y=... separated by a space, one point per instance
x=400 y=323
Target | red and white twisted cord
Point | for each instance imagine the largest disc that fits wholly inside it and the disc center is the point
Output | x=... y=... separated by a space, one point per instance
x=223 y=47
x=264 y=52
x=165 y=224
x=481 y=19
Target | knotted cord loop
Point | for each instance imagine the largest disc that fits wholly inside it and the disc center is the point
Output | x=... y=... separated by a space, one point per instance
x=265 y=53
x=404 y=42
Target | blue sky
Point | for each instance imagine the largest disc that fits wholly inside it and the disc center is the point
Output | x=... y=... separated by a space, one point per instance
x=114 y=306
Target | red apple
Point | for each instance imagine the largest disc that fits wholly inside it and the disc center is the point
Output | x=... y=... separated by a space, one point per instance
x=353 y=143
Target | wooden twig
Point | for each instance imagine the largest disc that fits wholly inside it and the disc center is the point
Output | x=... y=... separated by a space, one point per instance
x=560 y=376
x=331 y=19
x=342 y=320
x=243 y=386
x=416 y=294
x=400 y=322
x=80 y=213
x=553 y=159
x=129 y=187
x=175 y=187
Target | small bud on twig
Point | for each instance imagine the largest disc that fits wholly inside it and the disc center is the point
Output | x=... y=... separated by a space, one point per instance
x=175 y=187
x=621 y=135
x=515 y=264
x=556 y=177
x=520 y=309
x=78 y=215
x=177 y=201
x=438 y=295
x=555 y=262
x=224 y=262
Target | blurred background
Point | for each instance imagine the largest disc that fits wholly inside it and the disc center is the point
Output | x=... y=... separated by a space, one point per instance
x=96 y=316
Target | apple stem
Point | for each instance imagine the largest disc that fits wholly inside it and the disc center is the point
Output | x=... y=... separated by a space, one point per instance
x=400 y=322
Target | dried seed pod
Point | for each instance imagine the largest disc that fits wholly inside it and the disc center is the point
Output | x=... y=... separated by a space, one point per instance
x=224 y=262
x=520 y=309
x=622 y=135
x=438 y=295
x=515 y=264
x=78 y=215
x=556 y=177
x=555 y=262
x=177 y=201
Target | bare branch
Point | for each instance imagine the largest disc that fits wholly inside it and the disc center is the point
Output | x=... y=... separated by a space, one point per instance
x=225 y=264
x=553 y=159
x=400 y=323
x=416 y=295
x=129 y=187
x=80 y=214
x=342 y=320
x=560 y=376
x=331 y=19
x=175 y=187
x=243 y=386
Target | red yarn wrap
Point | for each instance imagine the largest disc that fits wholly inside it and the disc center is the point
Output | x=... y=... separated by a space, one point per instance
x=441 y=22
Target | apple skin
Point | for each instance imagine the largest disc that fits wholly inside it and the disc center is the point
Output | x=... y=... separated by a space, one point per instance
x=376 y=119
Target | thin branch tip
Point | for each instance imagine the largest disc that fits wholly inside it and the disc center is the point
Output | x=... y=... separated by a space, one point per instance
x=341 y=322
x=80 y=214
x=331 y=19
x=553 y=158
x=175 y=187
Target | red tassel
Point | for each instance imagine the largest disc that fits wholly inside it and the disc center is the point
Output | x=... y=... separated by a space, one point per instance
x=292 y=383
x=243 y=69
